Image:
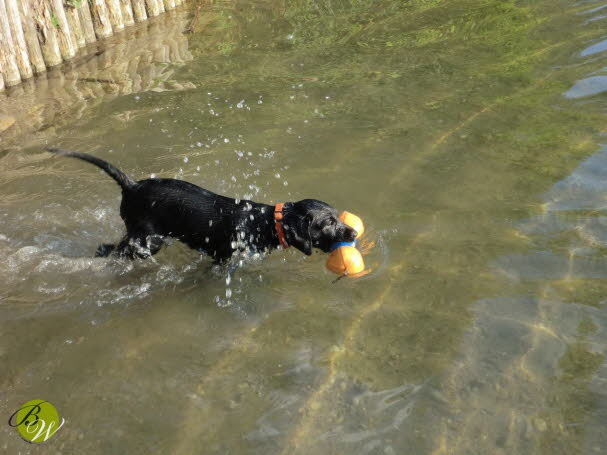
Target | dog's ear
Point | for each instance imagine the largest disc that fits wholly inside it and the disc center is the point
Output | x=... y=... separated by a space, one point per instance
x=298 y=234
x=300 y=240
x=305 y=246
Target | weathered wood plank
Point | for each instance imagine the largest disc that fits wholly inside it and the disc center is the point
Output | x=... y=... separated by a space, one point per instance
x=1 y=77
x=74 y=20
x=153 y=7
x=115 y=13
x=86 y=21
x=46 y=32
x=67 y=44
x=31 y=37
x=7 y=50
x=127 y=12
x=101 y=19
x=139 y=10
x=21 y=54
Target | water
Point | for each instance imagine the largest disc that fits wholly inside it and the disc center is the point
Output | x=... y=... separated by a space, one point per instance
x=469 y=137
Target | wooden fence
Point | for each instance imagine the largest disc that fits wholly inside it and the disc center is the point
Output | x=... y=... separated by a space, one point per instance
x=36 y=35
x=145 y=58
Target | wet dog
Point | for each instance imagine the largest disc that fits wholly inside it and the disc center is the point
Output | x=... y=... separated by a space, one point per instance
x=154 y=209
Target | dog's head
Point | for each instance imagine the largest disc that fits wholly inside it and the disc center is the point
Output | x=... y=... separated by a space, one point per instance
x=314 y=224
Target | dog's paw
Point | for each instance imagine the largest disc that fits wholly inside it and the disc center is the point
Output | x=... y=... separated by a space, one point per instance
x=104 y=250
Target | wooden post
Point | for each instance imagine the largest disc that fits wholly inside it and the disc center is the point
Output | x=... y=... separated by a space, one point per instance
x=66 y=40
x=153 y=7
x=7 y=50
x=39 y=34
x=115 y=12
x=46 y=32
x=21 y=55
x=74 y=20
x=101 y=19
x=139 y=10
x=31 y=37
x=1 y=77
x=86 y=21
x=127 y=12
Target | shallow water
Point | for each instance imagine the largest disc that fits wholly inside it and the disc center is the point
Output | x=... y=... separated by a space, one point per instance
x=467 y=134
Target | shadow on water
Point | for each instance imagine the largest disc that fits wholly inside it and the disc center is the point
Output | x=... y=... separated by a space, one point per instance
x=467 y=134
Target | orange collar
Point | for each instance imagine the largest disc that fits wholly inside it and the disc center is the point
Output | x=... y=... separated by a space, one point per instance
x=278 y=215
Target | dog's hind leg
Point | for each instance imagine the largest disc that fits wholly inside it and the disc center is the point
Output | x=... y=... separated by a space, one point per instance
x=140 y=246
x=104 y=250
x=140 y=242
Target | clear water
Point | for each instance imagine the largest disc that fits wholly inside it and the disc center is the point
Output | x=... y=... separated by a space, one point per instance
x=468 y=134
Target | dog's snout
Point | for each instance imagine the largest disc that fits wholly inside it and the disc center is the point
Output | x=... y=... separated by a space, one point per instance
x=351 y=234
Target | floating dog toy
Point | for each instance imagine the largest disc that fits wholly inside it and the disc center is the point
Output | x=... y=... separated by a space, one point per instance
x=344 y=258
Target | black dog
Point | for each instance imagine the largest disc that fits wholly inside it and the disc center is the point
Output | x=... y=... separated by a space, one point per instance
x=154 y=209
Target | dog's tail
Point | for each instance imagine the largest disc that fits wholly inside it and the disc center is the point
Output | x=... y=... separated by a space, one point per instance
x=123 y=180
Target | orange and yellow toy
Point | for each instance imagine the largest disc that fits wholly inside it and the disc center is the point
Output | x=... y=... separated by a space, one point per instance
x=344 y=258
